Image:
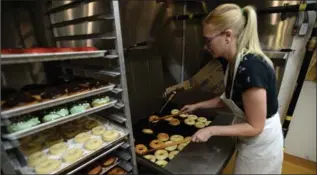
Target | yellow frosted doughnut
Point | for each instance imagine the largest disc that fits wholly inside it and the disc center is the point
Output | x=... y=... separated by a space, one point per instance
x=199 y=125
x=82 y=137
x=110 y=135
x=48 y=166
x=181 y=146
x=72 y=155
x=207 y=123
x=37 y=158
x=176 y=138
x=202 y=119
x=98 y=130
x=170 y=148
x=58 y=148
x=189 y=121
x=161 y=154
x=161 y=163
x=93 y=144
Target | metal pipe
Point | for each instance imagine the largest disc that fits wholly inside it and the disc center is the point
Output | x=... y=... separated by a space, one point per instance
x=310 y=48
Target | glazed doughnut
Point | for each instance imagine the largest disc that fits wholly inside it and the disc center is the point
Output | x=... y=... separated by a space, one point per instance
x=189 y=121
x=110 y=161
x=199 y=125
x=161 y=163
x=161 y=154
x=170 y=148
x=188 y=138
x=116 y=171
x=172 y=154
x=153 y=118
x=207 y=123
x=95 y=170
x=140 y=149
x=174 y=111
x=176 y=138
x=58 y=148
x=193 y=117
x=48 y=166
x=150 y=157
x=147 y=131
x=93 y=144
x=181 y=146
x=82 y=137
x=98 y=130
x=202 y=119
x=155 y=144
x=183 y=115
x=110 y=135
x=72 y=155
x=163 y=137
x=174 y=122
x=36 y=158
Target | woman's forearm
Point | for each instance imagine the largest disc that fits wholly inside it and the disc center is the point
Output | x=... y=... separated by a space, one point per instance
x=212 y=103
x=242 y=129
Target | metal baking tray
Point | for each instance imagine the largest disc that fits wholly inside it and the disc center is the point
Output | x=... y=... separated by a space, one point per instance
x=46 y=125
x=41 y=57
x=87 y=154
x=47 y=104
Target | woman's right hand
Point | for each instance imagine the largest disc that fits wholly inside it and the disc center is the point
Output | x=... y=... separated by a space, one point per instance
x=189 y=108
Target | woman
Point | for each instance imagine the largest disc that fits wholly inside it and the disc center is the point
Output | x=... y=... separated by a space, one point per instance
x=231 y=32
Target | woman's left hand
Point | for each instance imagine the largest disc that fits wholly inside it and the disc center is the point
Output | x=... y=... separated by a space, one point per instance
x=203 y=135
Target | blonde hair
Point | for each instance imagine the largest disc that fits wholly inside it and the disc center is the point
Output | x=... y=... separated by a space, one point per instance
x=243 y=22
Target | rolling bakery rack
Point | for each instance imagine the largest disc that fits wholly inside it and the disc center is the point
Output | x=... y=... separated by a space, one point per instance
x=115 y=114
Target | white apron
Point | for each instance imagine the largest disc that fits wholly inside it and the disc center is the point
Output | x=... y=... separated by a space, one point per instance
x=262 y=154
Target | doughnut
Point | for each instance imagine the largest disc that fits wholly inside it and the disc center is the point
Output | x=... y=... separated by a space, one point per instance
x=27 y=124
x=176 y=138
x=93 y=144
x=154 y=118
x=82 y=137
x=89 y=124
x=48 y=166
x=193 y=117
x=161 y=163
x=172 y=154
x=110 y=161
x=161 y=154
x=100 y=101
x=174 y=111
x=189 y=121
x=169 y=119
x=170 y=148
x=188 y=138
x=140 y=148
x=77 y=109
x=55 y=139
x=36 y=158
x=58 y=148
x=174 y=122
x=183 y=115
x=95 y=170
x=98 y=130
x=199 y=125
x=155 y=143
x=116 y=171
x=147 y=131
x=110 y=135
x=72 y=155
x=51 y=117
x=163 y=137
x=207 y=123
x=30 y=148
x=181 y=146
x=150 y=157
x=202 y=119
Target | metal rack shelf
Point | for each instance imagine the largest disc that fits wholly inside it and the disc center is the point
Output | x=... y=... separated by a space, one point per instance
x=105 y=36
x=89 y=70
x=28 y=58
x=68 y=6
x=47 y=125
x=51 y=103
x=120 y=118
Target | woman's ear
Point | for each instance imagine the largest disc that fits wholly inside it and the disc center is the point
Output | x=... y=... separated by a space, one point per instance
x=228 y=35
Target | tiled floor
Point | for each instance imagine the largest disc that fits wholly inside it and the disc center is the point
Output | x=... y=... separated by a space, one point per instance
x=291 y=165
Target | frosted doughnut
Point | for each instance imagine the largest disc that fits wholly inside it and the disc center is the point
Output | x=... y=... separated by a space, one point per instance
x=176 y=138
x=93 y=144
x=47 y=166
x=163 y=137
x=147 y=131
x=199 y=125
x=207 y=123
x=58 y=148
x=161 y=154
x=184 y=115
x=72 y=155
x=155 y=143
x=140 y=148
x=193 y=117
x=82 y=137
x=36 y=158
x=161 y=163
x=202 y=119
x=189 y=121
x=150 y=157
x=174 y=111
x=110 y=135
x=170 y=148
x=174 y=122
x=181 y=146
x=98 y=130
x=172 y=154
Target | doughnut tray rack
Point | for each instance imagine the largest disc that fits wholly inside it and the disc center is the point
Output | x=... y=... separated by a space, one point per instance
x=116 y=113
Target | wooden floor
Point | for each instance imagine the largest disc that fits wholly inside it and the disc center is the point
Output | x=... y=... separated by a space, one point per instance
x=291 y=165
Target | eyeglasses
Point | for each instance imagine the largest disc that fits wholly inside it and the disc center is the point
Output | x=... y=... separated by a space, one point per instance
x=208 y=40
